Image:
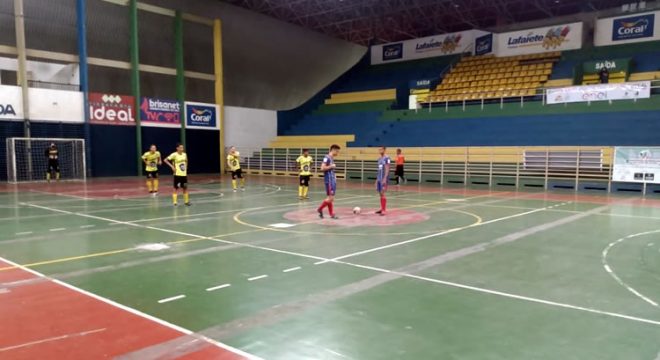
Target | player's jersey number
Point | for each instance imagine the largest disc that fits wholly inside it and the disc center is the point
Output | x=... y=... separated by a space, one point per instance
x=305 y=167
x=182 y=167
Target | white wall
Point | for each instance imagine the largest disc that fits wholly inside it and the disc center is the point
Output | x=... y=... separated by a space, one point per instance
x=249 y=128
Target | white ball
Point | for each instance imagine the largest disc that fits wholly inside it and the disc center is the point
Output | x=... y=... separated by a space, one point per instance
x=356 y=210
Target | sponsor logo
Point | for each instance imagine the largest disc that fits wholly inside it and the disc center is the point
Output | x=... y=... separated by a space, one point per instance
x=109 y=109
x=159 y=112
x=633 y=27
x=201 y=116
x=447 y=45
x=553 y=39
x=483 y=44
x=7 y=109
x=392 y=51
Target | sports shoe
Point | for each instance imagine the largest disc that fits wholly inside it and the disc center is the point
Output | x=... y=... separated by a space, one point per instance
x=176 y=204
x=379 y=212
x=242 y=189
x=188 y=204
x=334 y=217
x=235 y=190
x=320 y=213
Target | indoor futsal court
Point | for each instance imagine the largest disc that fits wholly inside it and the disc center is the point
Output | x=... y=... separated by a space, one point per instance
x=329 y=180
x=487 y=274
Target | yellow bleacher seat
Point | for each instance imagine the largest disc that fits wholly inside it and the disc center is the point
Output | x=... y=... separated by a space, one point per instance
x=311 y=141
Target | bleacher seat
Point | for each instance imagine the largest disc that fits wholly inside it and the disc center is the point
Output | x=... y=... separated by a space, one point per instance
x=361 y=96
x=487 y=77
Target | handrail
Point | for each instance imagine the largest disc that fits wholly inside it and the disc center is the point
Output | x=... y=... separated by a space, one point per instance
x=539 y=91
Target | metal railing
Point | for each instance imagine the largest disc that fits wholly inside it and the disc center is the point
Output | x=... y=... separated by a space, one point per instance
x=574 y=168
x=482 y=98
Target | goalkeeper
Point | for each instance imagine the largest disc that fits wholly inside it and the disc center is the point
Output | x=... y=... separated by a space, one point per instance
x=52 y=154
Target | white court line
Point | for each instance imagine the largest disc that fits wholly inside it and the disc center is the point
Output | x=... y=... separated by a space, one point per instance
x=133 y=311
x=441 y=233
x=57 y=229
x=24 y=233
x=62 y=337
x=436 y=281
x=173 y=298
x=218 y=287
x=508 y=295
x=86 y=226
x=257 y=277
x=291 y=269
x=610 y=271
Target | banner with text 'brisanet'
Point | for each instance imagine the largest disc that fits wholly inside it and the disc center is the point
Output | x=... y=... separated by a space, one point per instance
x=544 y=39
x=160 y=112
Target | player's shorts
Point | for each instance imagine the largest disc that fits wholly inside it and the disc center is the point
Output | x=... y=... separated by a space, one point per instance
x=237 y=174
x=330 y=188
x=304 y=180
x=380 y=187
x=152 y=174
x=180 y=182
x=399 y=171
x=53 y=165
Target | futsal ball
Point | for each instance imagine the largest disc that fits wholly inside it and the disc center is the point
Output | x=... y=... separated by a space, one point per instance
x=357 y=210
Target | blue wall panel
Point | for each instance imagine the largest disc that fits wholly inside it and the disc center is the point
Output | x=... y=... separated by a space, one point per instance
x=113 y=151
x=204 y=151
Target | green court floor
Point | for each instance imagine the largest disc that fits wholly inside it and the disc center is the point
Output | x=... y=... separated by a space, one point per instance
x=447 y=274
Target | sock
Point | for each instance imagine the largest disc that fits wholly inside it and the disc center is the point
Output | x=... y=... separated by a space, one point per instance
x=47 y=176
x=323 y=205
x=233 y=184
x=57 y=176
x=331 y=209
x=174 y=198
x=155 y=185
x=243 y=183
x=300 y=191
x=305 y=190
x=149 y=187
x=186 y=198
x=383 y=203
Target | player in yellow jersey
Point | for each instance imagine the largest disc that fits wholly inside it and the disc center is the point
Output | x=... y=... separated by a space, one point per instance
x=152 y=160
x=234 y=163
x=305 y=163
x=178 y=162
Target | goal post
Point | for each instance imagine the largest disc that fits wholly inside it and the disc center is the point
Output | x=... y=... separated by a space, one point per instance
x=27 y=159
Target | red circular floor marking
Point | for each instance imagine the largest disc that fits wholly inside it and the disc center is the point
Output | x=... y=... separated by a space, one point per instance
x=366 y=218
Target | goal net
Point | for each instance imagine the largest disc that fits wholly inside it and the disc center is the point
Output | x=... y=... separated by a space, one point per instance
x=31 y=159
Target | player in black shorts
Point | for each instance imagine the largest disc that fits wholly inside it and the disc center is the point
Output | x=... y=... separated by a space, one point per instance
x=53 y=156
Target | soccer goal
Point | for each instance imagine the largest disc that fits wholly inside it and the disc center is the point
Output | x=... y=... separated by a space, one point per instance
x=31 y=159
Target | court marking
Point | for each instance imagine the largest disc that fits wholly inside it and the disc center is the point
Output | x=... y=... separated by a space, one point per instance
x=214 y=288
x=441 y=233
x=132 y=310
x=418 y=277
x=50 y=339
x=172 y=298
x=291 y=269
x=613 y=274
x=254 y=278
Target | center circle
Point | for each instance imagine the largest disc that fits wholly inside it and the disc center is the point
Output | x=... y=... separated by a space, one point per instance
x=367 y=217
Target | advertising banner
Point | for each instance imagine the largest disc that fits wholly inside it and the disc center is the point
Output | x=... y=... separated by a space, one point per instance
x=11 y=107
x=637 y=164
x=420 y=84
x=483 y=45
x=627 y=29
x=432 y=46
x=613 y=65
x=56 y=105
x=538 y=40
x=202 y=116
x=45 y=105
x=600 y=92
x=110 y=109
x=160 y=112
